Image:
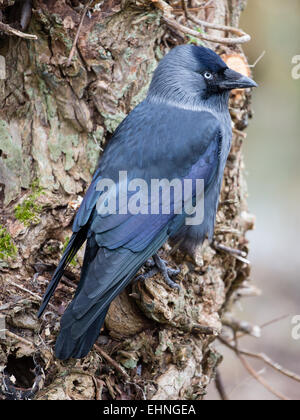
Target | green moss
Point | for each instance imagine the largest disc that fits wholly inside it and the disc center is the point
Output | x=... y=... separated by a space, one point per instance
x=74 y=262
x=7 y=248
x=29 y=211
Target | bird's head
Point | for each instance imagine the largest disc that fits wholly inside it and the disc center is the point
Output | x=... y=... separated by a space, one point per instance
x=189 y=75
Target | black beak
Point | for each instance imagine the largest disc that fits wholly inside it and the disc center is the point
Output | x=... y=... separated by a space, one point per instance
x=235 y=80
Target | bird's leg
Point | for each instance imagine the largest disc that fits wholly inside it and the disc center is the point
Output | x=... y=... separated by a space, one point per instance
x=147 y=275
x=154 y=270
x=166 y=271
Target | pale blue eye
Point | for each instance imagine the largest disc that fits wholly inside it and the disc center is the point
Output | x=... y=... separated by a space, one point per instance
x=208 y=75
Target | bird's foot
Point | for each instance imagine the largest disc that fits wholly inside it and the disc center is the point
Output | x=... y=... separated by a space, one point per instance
x=159 y=265
x=166 y=272
x=147 y=275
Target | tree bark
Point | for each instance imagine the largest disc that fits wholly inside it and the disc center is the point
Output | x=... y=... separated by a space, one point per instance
x=54 y=121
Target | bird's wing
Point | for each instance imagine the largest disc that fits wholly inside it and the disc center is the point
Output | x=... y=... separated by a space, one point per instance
x=153 y=142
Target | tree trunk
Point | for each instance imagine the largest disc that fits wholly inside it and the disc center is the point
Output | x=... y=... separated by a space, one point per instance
x=54 y=121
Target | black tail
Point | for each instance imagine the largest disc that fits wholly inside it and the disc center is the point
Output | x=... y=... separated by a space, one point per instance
x=67 y=347
x=76 y=241
x=82 y=320
x=104 y=275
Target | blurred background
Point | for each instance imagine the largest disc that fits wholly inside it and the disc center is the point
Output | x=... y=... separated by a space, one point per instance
x=272 y=155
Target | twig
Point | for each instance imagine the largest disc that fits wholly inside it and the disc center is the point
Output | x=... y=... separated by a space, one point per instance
x=201 y=6
x=164 y=7
x=68 y=282
x=236 y=253
x=230 y=250
x=206 y=4
x=190 y=9
x=17 y=337
x=241 y=326
x=99 y=388
x=258 y=60
x=260 y=379
x=97 y=144
x=274 y=321
x=242 y=37
x=205 y=37
x=10 y=304
x=202 y=329
x=11 y=31
x=264 y=358
x=220 y=387
x=244 y=381
x=30 y=292
x=217 y=26
x=267 y=324
x=112 y=362
x=274 y=365
x=249 y=368
x=138 y=387
x=78 y=33
x=24 y=289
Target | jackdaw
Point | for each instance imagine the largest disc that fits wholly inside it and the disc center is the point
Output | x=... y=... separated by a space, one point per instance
x=182 y=130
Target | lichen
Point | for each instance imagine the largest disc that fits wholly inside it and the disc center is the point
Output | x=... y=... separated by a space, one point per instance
x=112 y=121
x=7 y=248
x=65 y=144
x=28 y=212
x=14 y=166
x=93 y=148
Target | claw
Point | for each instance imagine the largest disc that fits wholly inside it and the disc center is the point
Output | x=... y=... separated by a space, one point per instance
x=166 y=272
x=145 y=276
x=171 y=283
x=172 y=272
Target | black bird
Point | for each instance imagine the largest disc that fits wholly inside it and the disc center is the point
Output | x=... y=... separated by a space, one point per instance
x=182 y=130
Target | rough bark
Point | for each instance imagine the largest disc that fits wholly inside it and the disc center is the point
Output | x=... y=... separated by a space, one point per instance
x=54 y=121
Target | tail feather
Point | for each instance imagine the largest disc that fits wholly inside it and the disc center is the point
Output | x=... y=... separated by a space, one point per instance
x=77 y=336
x=81 y=324
x=75 y=243
x=67 y=346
